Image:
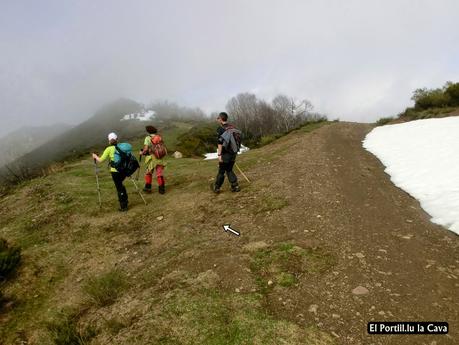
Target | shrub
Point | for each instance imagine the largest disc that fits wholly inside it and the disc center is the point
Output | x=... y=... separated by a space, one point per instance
x=198 y=140
x=433 y=98
x=452 y=90
x=104 y=290
x=10 y=257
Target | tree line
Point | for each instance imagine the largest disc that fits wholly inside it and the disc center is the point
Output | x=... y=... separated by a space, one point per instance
x=257 y=118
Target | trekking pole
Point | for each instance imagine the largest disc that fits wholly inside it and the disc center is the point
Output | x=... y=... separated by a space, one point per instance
x=138 y=191
x=138 y=171
x=237 y=166
x=97 y=182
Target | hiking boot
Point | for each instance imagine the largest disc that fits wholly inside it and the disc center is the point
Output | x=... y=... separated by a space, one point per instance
x=235 y=188
x=214 y=188
x=147 y=188
x=161 y=189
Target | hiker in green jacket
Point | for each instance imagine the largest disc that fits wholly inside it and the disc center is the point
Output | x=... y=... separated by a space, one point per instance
x=118 y=178
x=154 y=152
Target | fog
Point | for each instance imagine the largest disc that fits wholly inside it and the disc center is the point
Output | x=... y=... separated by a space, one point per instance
x=356 y=60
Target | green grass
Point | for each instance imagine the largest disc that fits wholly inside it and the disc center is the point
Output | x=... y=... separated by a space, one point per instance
x=65 y=237
x=217 y=318
x=172 y=132
x=271 y=203
x=268 y=139
x=64 y=330
x=413 y=114
x=285 y=262
x=309 y=127
x=285 y=279
x=31 y=306
x=106 y=288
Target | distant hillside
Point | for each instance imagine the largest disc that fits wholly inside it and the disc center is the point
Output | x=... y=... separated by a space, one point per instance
x=82 y=138
x=26 y=139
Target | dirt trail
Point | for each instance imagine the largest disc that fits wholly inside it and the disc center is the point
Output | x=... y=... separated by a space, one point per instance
x=340 y=198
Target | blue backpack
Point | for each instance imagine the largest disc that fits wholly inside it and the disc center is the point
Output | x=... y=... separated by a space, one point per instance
x=124 y=161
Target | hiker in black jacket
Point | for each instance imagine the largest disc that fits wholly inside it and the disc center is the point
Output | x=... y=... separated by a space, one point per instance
x=228 y=144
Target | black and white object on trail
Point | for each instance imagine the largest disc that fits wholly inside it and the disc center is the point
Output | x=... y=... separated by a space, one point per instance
x=227 y=227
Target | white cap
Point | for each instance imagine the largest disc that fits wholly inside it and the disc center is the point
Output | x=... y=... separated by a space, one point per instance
x=112 y=136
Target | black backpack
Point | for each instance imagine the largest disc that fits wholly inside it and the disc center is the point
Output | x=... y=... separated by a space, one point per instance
x=127 y=164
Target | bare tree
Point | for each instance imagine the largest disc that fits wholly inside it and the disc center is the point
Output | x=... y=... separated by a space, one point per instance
x=243 y=109
x=257 y=118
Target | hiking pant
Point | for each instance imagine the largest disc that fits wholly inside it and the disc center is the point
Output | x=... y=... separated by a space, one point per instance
x=226 y=167
x=159 y=176
x=118 y=179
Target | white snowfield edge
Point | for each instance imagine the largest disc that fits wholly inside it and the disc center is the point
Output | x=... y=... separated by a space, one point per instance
x=214 y=155
x=142 y=116
x=422 y=158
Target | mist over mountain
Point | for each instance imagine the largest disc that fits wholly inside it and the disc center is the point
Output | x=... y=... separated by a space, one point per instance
x=79 y=139
x=25 y=139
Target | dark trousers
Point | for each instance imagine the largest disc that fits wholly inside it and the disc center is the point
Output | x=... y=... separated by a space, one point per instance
x=118 y=179
x=226 y=167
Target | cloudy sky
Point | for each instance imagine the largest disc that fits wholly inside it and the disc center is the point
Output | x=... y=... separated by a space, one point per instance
x=356 y=60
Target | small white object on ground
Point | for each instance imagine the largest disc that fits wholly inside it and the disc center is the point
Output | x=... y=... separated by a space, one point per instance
x=177 y=154
x=214 y=155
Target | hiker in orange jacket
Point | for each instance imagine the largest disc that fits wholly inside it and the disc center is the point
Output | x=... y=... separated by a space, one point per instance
x=154 y=160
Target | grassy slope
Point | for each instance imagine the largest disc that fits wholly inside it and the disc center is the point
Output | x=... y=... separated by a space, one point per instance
x=412 y=115
x=177 y=272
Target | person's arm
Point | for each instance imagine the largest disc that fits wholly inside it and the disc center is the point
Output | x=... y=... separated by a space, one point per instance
x=219 y=152
x=145 y=149
x=96 y=157
x=102 y=158
x=220 y=131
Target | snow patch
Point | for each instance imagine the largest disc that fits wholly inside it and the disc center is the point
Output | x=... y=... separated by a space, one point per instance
x=422 y=158
x=142 y=116
x=214 y=155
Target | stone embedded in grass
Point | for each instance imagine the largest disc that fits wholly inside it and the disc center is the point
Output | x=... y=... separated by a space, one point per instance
x=313 y=308
x=360 y=290
x=160 y=218
x=178 y=155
